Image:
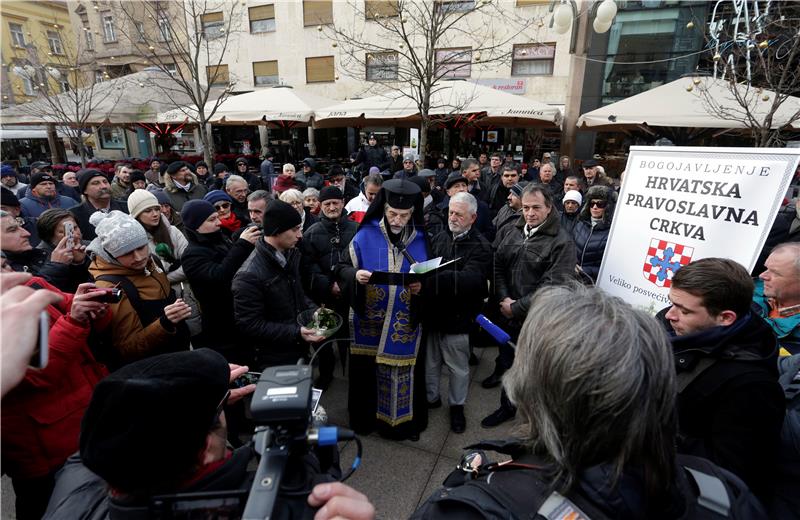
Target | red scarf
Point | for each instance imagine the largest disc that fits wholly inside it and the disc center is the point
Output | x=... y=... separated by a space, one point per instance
x=231 y=223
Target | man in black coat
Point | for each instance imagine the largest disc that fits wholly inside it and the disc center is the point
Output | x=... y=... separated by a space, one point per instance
x=498 y=192
x=96 y=191
x=268 y=295
x=210 y=262
x=322 y=246
x=452 y=299
x=730 y=404
x=535 y=254
x=372 y=155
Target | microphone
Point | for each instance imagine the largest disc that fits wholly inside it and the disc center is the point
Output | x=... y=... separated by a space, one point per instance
x=494 y=331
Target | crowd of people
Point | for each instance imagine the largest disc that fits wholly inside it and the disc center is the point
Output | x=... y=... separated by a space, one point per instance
x=181 y=278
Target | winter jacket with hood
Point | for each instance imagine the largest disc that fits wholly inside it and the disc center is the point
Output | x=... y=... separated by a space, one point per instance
x=732 y=410
x=179 y=196
x=42 y=415
x=131 y=338
x=591 y=237
x=33 y=206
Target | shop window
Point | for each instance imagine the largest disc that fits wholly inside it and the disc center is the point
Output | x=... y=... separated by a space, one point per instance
x=374 y=9
x=533 y=60
x=262 y=19
x=112 y=138
x=218 y=75
x=265 y=73
x=17 y=34
x=454 y=63
x=317 y=12
x=320 y=69
x=212 y=24
x=382 y=66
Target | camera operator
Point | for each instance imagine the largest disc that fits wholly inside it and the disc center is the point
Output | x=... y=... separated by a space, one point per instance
x=42 y=415
x=599 y=426
x=157 y=426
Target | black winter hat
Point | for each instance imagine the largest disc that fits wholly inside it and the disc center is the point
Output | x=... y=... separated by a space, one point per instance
x=8 y=198
x=241 y=160
x=195 y=212
x=279 y=217
x=173 y=167
x=38 y=178
x=138 y=175
x=330 y=193
x=87 y=174
x=199 y=164
x=219 y=168
x=147 y=422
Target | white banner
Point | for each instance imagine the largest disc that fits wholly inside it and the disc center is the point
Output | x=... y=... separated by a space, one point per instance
x=679 y=204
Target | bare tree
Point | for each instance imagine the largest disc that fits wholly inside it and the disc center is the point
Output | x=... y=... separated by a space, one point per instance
x=421 y=43
x=189 y=41
x=756 y=51
x=63 y=96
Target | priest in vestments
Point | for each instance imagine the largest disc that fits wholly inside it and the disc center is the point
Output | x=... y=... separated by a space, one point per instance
x=387 y=372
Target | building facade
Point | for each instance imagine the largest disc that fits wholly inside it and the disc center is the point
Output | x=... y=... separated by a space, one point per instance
x=35 y=49
x=295 y=43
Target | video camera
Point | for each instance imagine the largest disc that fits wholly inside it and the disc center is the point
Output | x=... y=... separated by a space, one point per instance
x=282 y=408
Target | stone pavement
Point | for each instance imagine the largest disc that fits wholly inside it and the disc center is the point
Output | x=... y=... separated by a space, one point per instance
x=397 y=476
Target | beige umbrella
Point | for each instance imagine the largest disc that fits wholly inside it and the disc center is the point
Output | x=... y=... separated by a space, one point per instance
x=449 y=99
x=281 y=105
x=685 y=103
x=128 y=99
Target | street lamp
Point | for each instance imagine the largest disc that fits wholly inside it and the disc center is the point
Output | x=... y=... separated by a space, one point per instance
x=565 y=11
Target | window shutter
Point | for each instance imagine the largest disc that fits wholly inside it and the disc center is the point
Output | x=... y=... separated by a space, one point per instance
x=265 y=68
x=384 y=8
x=319 y=69
x=211 y=17
x=262 y=12
x=317 y=12
x=218 y=75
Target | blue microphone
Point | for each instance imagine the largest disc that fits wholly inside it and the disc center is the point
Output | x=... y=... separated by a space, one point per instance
x=494 y=331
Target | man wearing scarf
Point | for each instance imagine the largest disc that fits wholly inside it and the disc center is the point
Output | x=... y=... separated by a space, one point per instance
x=387 y=383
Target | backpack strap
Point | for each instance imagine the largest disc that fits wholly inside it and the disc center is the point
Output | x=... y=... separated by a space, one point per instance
x=712 y=494
x=686 y=378
x=131 y=292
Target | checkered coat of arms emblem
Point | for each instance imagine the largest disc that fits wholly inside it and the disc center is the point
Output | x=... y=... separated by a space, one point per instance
x=663 y=260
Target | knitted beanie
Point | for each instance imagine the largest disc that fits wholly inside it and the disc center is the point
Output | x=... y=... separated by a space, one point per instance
x=117 y=232
x=140 y=200
x=195 y=212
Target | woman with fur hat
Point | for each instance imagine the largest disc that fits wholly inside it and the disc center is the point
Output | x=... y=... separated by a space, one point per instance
x=592 y=229
x=148 y=320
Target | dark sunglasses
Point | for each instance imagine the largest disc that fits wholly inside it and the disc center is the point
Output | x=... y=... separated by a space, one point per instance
x=222 y=205
x=599 y=203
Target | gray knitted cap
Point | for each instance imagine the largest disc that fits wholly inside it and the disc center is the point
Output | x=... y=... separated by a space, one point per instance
x=118 y=232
